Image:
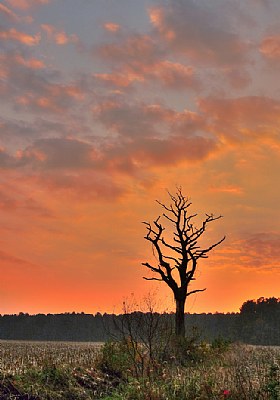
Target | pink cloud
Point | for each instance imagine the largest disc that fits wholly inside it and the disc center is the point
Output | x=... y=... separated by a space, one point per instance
x=111 y=27
x=174 y=75
x=161 y=136
x=50 y=97
x=173 y=150
x=24 y=38
x=12 y=60
x=139 y=58
x=229 y=189
x=270 y=47
x=32 y=63
x=243 y=118
x=59 y=37
x=7 y=12
x=118 y=79
x=84 y=186
x=169 y=74
x=258 y=251
x=135 y=48
x=25 y=4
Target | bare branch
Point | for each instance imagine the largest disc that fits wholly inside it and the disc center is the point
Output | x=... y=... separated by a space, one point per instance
x=152 y=279
x=203 y=253
x=177 y=249
x=170 y=219
x=154 y=269
x=195 y=291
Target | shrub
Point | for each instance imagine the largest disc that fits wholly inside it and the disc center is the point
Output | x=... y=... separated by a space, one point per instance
x=121 y=358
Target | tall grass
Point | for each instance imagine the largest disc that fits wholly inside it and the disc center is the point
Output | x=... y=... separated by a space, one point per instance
x=238 y=373
x=88 y=371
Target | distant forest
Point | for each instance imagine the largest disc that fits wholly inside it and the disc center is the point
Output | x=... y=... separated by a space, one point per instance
x=258 y=322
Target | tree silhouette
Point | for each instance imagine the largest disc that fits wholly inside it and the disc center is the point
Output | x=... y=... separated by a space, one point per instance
x=178 y=257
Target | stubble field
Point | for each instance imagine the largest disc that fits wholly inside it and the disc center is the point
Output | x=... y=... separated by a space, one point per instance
x=66 y=370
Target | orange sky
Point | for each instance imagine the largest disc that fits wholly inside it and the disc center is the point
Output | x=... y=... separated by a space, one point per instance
x=106 y=105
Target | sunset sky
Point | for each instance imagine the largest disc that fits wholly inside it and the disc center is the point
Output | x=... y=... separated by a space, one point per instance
x=105 y=104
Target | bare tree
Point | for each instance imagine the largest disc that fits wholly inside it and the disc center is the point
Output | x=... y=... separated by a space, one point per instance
x=178 y=257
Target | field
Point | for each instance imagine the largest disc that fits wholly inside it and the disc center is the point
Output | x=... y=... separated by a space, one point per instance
x=18 y=357
x=63 y=370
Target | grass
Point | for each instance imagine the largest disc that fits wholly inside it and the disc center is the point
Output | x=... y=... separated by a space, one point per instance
x=40 y=371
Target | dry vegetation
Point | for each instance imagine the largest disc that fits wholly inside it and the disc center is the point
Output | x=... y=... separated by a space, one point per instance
x=47 y=370
x=19 y=356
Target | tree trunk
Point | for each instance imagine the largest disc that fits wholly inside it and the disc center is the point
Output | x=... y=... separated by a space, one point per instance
x=180 y=317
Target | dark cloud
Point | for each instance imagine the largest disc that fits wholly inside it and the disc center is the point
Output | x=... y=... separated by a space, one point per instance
x=143 y=120
x=199 y=32
x=58 y=153
x=131 y=120
x=6 y=160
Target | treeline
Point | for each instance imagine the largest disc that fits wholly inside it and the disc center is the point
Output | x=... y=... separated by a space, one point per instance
x=258 y=322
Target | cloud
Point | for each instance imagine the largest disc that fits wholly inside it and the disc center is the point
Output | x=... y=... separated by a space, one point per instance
x=160 y=137
x=7 y=202
x=257 y=251
x=58 y=153
x=199 y=33
x=17 y=197
x=26 y=4
x=229 y=189
x=121 y=117
x=244 y=118
x=8 y=12
x=171 y=151
x=264 y=249
x=8 y=60
x=131 y=49
x=139 y=58
x=62 y=166
x=29 y=84
x=6 y=160
x=21 y=37
x=59 y=37
x=270 y=47
x=17 y=133
x=111 y=27
x=174 y=75
x=84 y=186
x=6 y=257
x=50 y=97
x=15 y=70
x=153 y=120
x=237 y=77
